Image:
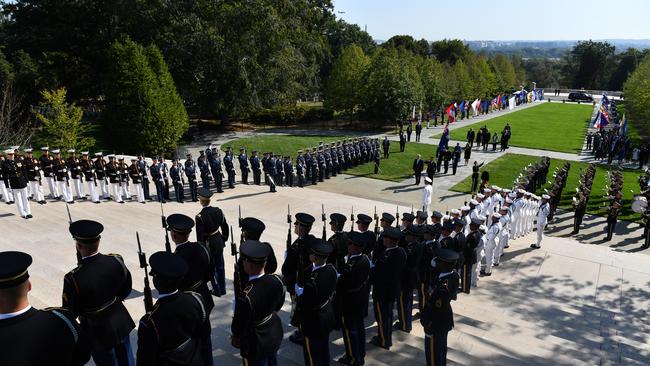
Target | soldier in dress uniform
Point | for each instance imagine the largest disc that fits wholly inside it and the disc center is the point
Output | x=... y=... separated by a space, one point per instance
x=314 y=299
x=95 y=292
x=363 y=225
x=612 y=214
x=386 y=281
x=255 y=165
x=136 y=177
x=409 y=277
x=217 y=170
x=252 y=229
x=171 y=333
x=88 y=170
x=157 y=178
x=175 y=174
x=143 y=167
x=29 y=336
x=338 y=240
x=61 y=174
x=212 y=230
x=271 y=171
x=314 y=169
x=430 y=247
x=16 y=181
x=230 y=168
x=300 y=169
x=296 y=266
x=204 y=169
x=256 y=328
x=469 y=252
x=190 y=173
x=123 y=171
x=351 y=301
x=243 y=165
x=46 y=163
x=75 y=173
x=438 y=316
x=33 y=175
x=279 y=170
x=288 y=171
x=100 y=173
x=386 y=221
x=201 y=269
x=164 y=173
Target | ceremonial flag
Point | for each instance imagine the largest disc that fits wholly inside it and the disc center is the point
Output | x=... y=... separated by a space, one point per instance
x=499 y=101
x=475 y=107
x=624 y=126
x=461 y=107
x=413 y=114
x=604 y=102
x=451 y=112
x=602 y=119
x=511 y=103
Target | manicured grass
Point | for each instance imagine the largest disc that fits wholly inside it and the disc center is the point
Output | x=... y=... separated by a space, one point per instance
x=280 y=144
x=395 y=169
x=549 y=126
x=507 y=167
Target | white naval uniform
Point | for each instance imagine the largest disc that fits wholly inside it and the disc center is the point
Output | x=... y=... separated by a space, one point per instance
x=544 y=210
x=491 y=242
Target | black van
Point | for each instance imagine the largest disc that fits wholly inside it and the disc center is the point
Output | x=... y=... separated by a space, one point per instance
x=580 y=96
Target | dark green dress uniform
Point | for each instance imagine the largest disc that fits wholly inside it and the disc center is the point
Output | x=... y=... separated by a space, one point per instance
x=338 y=241
x=317 y=311
x=351 y=302
x=386 y=282
x=37 y=337
x=212 y=230
x=252 y=229
x=201 y=270
x=95 y=292
x=409 y=278
x=256 y=326
x=437 y=316
x=171 y=333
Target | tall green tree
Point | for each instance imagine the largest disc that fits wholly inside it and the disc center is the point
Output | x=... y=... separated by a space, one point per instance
x=624 y=65
x=61 y=121
x=586 y=64
x=504 y=72
x=144 y=112
x=637 y=95
x=393 y=86
x=431 y=74
x=450 y=50
x=464 y=83
x=344 y=87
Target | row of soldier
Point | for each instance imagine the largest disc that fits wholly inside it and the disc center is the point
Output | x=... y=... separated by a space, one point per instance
x=614 y=195
x=330 y=283
x=581 y=198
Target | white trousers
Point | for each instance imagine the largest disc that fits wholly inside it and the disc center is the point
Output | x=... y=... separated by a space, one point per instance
x=51 y=184
x=513 y=226
x=65 y=191
x=37 y=191
x=139 y=191
x=117 y=192
x=476 y=269
x=490 y=249
x=503 y=241
x=540 y=232
x=94 y=195
x=103 y=187
x=78 y=188
x=126 y=192
x=7 y=196
x=20 y=195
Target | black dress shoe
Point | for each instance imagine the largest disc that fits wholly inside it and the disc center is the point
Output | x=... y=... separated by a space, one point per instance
x=375 y=341
x=297 y=338
x=345 y=360
x=71 y=202
x=29 y=216
x=97 y=202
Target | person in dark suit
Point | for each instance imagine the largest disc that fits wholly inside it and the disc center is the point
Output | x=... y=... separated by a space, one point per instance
x=386 y=281
x=351 y=300
x=385 y=145
x=315 y=301
x=256 y=328
x=29 y=336
x=95 y=291
x=418 y=167
x=171 y=333
x=402 y=142
x=418 y=131
x=212 y=230
x=455 y=158
x=431 y=167
x=438 y=316
x=201 y=270
x=470 y=137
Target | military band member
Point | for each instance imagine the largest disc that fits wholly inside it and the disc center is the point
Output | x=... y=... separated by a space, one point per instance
x=33 y=175
x=201 y=270
x=15 y=180
x=157 y=178
x=243 y=165
x=32 y=337
x=386 y=282
x=136 y=177
x=100 y=173
x=143 y=167
x=256 y=328
x=288 y=171
x=279 y=169
x=46 y=163
x=217 y=171
x=75 y=173
x=175 y=174
x=95 y=291
x=314 y=299
x=171 y=333
x=612 y=215
x=438 y=316
x=351 y=300
x=255 y=165
x=88 y=170
x=164 y=172
x=230 y=168
x=296 y=266
x=113 y=174
x=300 y=169
x=123 y=171
x=61 y=175
x=212 y=230
x=190 y=173
x=270 y=172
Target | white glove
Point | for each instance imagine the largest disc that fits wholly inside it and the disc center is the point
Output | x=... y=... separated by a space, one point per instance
x=299 y=290
x=372 y=264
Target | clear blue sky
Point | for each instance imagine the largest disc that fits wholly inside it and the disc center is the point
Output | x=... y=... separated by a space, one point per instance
x=500 y=19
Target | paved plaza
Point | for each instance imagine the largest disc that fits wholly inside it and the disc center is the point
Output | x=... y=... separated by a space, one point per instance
x=568 y=303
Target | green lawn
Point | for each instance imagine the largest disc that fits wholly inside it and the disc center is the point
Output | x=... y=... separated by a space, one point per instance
x=504 y=170
x=549 y=126
x=394 y=169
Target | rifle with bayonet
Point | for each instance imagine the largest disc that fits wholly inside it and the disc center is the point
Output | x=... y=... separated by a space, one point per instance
x=289 y=241
x=352 y=219
x=376 y=217
x=236 y=276
x=322 y=210
x=148 y=299
x=397 y=220
x=168 y=246
x=67 y=208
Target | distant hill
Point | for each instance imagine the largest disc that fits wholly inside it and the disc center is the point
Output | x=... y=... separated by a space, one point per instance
x=547 y=49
